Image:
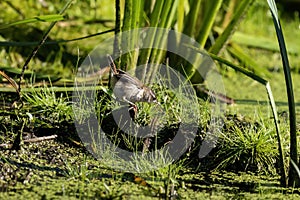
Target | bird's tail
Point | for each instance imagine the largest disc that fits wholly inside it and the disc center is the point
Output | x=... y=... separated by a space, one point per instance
x=112 y=65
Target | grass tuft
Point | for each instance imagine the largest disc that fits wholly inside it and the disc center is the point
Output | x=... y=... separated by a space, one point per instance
x=247 y=148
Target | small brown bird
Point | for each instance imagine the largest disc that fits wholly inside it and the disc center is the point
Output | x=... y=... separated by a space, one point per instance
x=128 y=88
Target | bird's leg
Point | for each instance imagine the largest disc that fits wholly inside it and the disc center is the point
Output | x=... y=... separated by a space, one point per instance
x=132 y=111
x=127 y=101
x=146 y=145
x=132 y=108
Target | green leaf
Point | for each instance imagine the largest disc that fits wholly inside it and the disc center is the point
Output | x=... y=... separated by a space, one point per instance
x=208 y=21
x=223 y=38
x=239 y=53
x=43 y=18
x=290 y=92
x=192 y=18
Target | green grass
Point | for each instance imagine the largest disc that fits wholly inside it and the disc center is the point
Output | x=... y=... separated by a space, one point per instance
x=46 y=102
x=64 y=169
x=248 y=148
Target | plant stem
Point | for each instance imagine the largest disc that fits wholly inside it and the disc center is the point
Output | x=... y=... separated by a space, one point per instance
x=293 y=180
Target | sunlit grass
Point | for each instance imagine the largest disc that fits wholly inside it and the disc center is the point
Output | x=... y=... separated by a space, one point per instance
x=252 y=147
x=47 y=103
x=247 y=148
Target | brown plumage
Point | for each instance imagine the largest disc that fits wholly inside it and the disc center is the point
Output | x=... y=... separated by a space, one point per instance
x=128 y=88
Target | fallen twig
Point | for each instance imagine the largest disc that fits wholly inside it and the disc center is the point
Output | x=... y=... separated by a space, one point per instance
x=31 y=140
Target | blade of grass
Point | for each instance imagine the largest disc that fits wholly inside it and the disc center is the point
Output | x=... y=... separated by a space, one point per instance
x=283 y=177
x=117 y=41
x=192 y=17
x=22 y=44
x=11 y=81
x=180 y=15
x=296 y=168
x=238 y=53
x=167 y=18
x=223 y=38
x=127 y=15
x=149 y=40
x=191 y=20
x=137 y=13
x=229 y=11
x=56 y=88
x=290 y=94
x=208 y=21
x=126 y=40
x=43 y=18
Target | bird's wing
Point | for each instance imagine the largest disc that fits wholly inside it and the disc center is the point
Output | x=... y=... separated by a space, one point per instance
x=129 y=79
